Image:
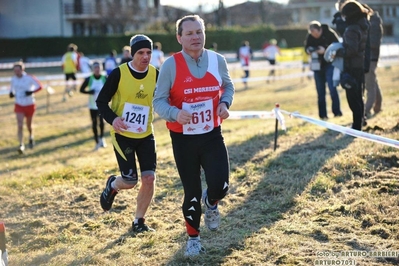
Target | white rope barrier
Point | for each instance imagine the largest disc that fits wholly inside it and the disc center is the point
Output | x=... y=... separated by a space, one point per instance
x=277 y=114
x=274 y=114
x=346 y=130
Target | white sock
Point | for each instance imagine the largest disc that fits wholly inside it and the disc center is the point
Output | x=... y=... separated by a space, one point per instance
x=113 y=185
x=212 y=207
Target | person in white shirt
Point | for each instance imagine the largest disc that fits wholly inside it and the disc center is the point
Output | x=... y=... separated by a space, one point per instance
x=23 y=88
x=85 y=66
x=244 y=54
x=270 y=52
x=157 y=56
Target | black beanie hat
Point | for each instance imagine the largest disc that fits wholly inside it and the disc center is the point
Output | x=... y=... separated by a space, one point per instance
x=138 y=42
x=352 y=10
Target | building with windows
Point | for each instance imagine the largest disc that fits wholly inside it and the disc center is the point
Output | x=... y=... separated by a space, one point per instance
x=65 y=18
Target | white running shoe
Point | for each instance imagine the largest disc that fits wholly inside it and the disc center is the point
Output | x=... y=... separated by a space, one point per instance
x=98 y=145
x=194 y=248
x=211 y=216
x=21 y=149
x=103 y=142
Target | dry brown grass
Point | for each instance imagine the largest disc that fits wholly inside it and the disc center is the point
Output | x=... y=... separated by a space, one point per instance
x=319 y=191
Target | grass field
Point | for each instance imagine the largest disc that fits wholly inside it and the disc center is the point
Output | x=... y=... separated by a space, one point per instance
x=319 y=192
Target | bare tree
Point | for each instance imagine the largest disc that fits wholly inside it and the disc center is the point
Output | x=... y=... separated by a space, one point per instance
x=119 y=16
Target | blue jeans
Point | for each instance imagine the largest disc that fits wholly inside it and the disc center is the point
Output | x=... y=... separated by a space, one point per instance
x=323 y=76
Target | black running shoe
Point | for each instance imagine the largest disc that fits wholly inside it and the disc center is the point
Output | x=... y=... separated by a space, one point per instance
x=141 y=227
x=31 y=143
x=108 y=195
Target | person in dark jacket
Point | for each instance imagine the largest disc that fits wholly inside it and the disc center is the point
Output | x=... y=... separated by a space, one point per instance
x=374 y=96
x=354 y=43
x=319 y=38
x=340 y=24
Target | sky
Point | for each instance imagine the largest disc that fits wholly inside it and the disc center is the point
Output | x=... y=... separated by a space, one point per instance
x=208 y=5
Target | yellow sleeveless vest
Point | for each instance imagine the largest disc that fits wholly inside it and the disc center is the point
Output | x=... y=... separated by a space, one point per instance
x=69 y=64
x=137 y=91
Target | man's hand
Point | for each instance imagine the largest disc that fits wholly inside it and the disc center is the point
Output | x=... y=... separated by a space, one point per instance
x=118 y=125
x=320 y=50
x=28 y=93
x=223 y=111
x=184 y=117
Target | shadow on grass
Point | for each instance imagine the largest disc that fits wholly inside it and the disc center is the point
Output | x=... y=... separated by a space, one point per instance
x=273 y=196
x=11 y=153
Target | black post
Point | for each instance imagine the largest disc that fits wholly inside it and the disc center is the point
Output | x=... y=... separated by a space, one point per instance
x=276 y=129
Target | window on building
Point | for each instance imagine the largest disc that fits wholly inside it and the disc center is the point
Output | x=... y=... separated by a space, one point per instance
x=388 y=29
x=77 y=7
x=78 y=29
x=327 y=13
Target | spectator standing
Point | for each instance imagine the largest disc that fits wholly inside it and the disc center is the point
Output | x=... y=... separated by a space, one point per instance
x=353 y=51
x=94 y=83
x=318 y=39
x=338 y=21
x=374 y=95
x=23 y=88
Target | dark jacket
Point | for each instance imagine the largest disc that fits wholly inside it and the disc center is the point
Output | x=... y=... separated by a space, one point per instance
x=327 y=37
x=376 y=32
x=339 y=23
x=354 y=42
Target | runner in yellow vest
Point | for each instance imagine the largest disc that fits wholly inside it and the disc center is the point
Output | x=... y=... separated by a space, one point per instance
x=70 y=64
x=130 y=89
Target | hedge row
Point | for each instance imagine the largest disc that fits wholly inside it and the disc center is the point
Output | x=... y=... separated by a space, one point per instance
x=227 y=40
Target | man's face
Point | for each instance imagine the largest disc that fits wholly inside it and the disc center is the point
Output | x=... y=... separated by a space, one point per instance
x=141 y=59
x=18 y=71
x=96 y=70
x=315 y=33
x=126 y=53
x=192 y=37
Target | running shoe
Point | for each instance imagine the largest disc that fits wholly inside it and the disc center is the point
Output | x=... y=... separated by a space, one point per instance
x=21 y=149
x=141 y=227
x=103 y=143
x=31 y=143
x=98 y=145
x=211 y=215
x=194 y=248
x=108 y=195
